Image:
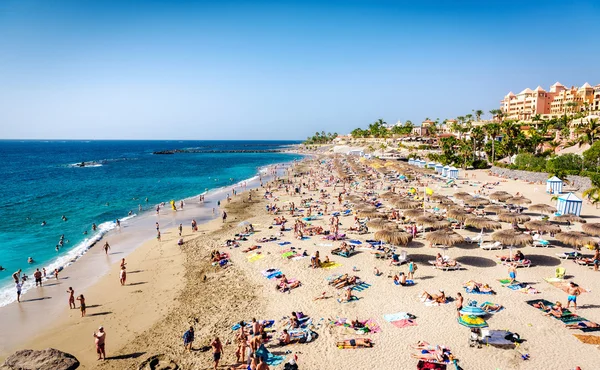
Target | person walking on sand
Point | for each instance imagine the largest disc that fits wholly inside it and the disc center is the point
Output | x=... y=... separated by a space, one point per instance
x=180 y=229
x=56 y=273
x=573 y=291
x=412 y=267
x=123 y=275
x=217 y=349
x=158 y=235
x=188 y=339
x=17 y=276
x=224 y=216
x=106 y=248
x=71 y=298
x=459 y=303
x=100 y=341
x=512 y=272
x=123 y=263
x=81 y=300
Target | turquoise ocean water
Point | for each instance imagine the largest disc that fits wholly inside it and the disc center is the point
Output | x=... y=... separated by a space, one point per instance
x=40 y=182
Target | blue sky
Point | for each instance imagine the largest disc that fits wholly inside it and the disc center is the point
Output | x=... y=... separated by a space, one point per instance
x=275 y=70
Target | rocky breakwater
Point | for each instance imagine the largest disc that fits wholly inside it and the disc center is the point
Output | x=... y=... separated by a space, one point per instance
x=575 y=183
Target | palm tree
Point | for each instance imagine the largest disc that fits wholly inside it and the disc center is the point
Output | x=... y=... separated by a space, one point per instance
x=588 y=132
x=492 y=130
x=593 y=193
x=469 y=117
x=478 y=114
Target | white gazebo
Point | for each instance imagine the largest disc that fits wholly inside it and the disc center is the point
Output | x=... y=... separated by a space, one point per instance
x=411 y=161
x=569 y=204
x=438 y=168
x=431 y=165
x=453 y=172
x=554 y=185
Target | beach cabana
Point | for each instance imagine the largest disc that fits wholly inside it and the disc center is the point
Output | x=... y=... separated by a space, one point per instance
x=422 y=164
x=445 y=170
x=431 y=165
x=411 y=161
x=569 y=204
x=554 y=185
x=438 y=167
x=453 y=173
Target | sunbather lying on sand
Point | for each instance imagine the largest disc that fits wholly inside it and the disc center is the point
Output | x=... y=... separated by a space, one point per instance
x=439 y=298
x=556 y=310
x=360 y=342
x=348 y=281
x=440 y=262
x=251 y=248
x=338 y=279
x=583 y=325
x=518 y=256
x=478 y=287
x=284 y=284
x=266 y=239
x=488 y=307
x=433 y=355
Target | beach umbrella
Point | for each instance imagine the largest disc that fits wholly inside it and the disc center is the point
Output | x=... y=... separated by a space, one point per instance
x=494 y=208
x=365 y=208
x=513 y=217
x=512 y=238
x=446 y=238
x=393 y=237
x=458 y=214
x=592 y=229
x=569 y=218
x=473 y=310
x=500 y=195
x=413 y=213
x=438 y=198
x=462 y=195
x=433 y=222
x=483 y=223
x=542 y=208
x=576 y=239
x=388 y=195
x=406 y=204
x=472 y=321
x=381 y=224
x=474 y=201
x=542 y=226
x=518 y=200
x=353 y=198
x=370 y=214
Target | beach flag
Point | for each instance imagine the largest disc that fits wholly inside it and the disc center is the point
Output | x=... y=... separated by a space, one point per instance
x=428 y=191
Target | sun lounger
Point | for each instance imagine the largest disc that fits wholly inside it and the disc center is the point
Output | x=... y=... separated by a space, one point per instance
x=519 y=263
x=491 y=246
x=568 y=255
x=475 y=239
x=448 y=264
x=541 y=243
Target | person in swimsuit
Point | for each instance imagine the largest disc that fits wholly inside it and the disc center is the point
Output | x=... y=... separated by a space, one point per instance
x=573 y=290
x=512 y=272
x=188 y=339
x=81 y=300
x=459 y=303
x=100 y=339
x=71 y=298
x=217 y=349
x=106 y=248
x=123 y=275
x=17 y=276
x=37 y=275
x=19 y=286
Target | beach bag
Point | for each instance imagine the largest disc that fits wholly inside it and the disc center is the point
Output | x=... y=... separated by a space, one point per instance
x=414 y=267
x=289 y=366
x=513 y=337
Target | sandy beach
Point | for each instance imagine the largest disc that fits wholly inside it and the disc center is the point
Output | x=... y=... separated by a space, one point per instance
x=170 y=288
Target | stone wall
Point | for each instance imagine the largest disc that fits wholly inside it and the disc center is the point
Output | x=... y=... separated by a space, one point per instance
x=577 y=183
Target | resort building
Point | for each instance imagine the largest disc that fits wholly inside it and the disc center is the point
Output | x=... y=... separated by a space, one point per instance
x=557 y=101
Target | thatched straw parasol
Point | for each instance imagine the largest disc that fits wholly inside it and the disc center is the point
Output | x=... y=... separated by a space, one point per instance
x=458 y=214
x=542 y=208
x=381 y=224
x=592 y=229
x=370 y=214
x=413 y=213
x=500 y=195
x=494 y=208
x=406 y=204
x=353 y=198
x=446 y=238
x=473 y=201
x=462 y=195
x=518 y=200
x=513 y=217
x=542 y=226
x=576 y=238
x=365 y=208
x=437 y=198
x=512 y=238
x=569 y=218
x=432 y=222
x=393 y=237
x=483 y=223
x=388 y=195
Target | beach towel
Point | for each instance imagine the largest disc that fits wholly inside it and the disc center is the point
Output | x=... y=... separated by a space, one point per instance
x=396 y=316
x=354 y=241
x=430 y=303
x=330 y=265
x=588 y=339
x=268 y=357
x=271 y=273
x=491 y=304
x=361 y=286
x=255 y=257
x=504 y=281
x=297 y=257
x=425 y=365
x=404 y=323
x=284 y=243
x=408 y=282
x=289 y=254
x=325 y=245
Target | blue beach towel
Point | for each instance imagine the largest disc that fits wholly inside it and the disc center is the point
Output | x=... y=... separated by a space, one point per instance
x=477 y=291
x=284 y=243
x=354 y=298
x=360 y=287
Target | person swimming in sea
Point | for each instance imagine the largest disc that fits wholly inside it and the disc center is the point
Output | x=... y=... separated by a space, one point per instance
x=94 y=227
x=30 y=260
x=2 y=268
x=64 y=218
x=43 y=223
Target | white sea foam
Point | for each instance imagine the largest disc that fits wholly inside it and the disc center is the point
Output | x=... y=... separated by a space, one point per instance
x=8 y=293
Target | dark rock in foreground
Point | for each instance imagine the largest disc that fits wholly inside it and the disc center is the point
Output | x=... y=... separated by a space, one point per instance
x=159 y=362
x=50 y=358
